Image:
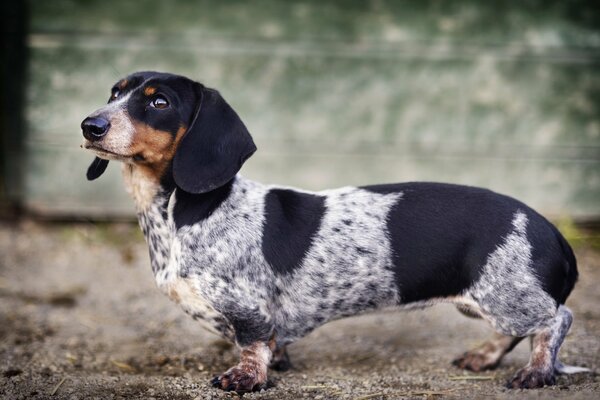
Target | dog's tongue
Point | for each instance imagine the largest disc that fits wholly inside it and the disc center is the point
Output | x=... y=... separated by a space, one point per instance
x=96 y=168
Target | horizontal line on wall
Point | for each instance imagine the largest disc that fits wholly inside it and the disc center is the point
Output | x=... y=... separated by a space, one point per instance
x=574 y=154
x=51 y=137
x=589 y=42
x=430 y=51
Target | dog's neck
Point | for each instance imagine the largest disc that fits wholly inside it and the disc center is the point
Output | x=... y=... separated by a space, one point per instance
x=144 y=188
x=155 y=201
x=151 y=198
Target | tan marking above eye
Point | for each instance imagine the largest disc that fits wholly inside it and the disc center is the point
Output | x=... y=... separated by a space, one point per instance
x=121 y=85
x=149 y=91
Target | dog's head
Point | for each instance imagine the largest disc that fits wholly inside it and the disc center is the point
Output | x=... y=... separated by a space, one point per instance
x=163 y=123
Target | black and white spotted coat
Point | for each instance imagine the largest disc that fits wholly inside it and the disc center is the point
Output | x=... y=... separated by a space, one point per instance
x=267 y=261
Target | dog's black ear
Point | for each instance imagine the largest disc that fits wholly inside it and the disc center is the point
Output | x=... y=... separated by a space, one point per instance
x=215 y=146
x=96 y=168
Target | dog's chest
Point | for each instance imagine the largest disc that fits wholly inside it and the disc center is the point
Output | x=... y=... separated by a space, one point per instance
x=184 y=292
x=165 y=258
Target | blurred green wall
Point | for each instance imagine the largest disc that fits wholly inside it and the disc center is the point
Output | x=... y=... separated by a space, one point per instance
x=504 y=95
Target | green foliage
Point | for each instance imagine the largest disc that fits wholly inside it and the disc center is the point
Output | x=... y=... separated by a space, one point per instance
x=578 y=237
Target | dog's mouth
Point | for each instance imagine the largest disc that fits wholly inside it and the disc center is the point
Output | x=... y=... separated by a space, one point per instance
x=105 y=154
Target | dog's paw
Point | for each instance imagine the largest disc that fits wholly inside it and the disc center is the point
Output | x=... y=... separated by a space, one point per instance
x=240 y=380
x=531 y=378
x=475 y=361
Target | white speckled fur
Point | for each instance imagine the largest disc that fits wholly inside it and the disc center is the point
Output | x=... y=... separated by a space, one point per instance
x=507 y=294
x=165 y=258
x=335 y=278
x=194 y=265
x=228 y=246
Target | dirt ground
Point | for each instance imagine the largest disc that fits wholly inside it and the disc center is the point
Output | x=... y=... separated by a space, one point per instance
x=80 y=318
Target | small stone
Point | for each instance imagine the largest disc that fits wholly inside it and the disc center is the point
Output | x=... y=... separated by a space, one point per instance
x=161 y=360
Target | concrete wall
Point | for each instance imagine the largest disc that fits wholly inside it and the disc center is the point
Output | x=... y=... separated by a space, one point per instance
x=504 y=95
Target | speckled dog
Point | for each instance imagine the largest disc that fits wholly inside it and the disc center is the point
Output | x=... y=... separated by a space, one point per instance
x=264 y=265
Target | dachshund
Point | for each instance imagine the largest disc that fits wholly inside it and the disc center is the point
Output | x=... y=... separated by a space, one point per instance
x=263 y=265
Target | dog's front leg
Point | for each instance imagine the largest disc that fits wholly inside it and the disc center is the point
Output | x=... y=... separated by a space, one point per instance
x=250 y=373
x=254 y=335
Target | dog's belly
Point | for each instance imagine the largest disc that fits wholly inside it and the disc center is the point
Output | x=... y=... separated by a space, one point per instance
x=352 y=284
x=294 y=324
x=182 y=292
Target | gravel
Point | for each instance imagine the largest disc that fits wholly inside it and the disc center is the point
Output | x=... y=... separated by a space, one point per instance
x=80 y=318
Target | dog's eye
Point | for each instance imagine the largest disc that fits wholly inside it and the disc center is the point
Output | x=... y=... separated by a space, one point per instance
x=115 y=94
x=159 y=102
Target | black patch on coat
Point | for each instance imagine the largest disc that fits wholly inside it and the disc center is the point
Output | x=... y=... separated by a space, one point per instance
x=442 y=234
x=291 y=221
x=190 y=208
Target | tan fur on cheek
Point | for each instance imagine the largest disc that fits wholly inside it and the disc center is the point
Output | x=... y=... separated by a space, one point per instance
x=156 y=149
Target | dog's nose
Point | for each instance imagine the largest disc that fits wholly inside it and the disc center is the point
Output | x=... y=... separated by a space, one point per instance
x=94 y=128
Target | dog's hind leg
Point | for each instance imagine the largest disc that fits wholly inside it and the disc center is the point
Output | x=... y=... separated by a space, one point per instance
x=541 y=369
x=488 y=355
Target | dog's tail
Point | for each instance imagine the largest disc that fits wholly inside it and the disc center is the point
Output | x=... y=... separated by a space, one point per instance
x=564 y=369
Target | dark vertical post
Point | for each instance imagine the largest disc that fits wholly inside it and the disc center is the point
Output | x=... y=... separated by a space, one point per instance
x=13 y=69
